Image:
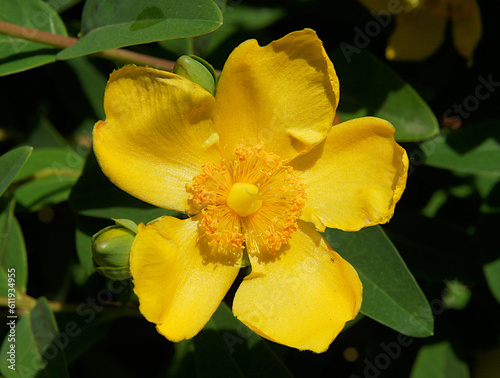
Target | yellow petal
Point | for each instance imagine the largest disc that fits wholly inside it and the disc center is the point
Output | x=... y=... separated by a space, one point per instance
x=355 y=177
x=157 y=134
x=467 y=27
x=283 y=94
x=417 y=35
x=302 y=296
x=180 y=281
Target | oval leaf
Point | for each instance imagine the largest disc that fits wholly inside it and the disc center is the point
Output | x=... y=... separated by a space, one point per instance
x=108 y=24
x=391 y=295
x=473 y=149
x=236 y=18
x=439 y=361
x=13 y=260
x=17 y=54
x=38 y=348
x=369 y=87
x=10 y=165
x=49 y=174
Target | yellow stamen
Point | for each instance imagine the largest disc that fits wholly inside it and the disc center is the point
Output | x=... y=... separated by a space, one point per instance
x=252 y=199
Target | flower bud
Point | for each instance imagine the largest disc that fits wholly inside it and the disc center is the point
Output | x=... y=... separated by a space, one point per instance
x=111 y=251
x=197 y=70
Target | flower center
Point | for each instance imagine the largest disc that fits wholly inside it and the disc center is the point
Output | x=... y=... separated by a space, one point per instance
x=246 y=198
x=252 y=200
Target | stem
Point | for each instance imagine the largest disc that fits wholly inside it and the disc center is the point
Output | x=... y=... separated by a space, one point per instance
x=47 y=172
x=61 y=42
x=22 y=301
x=27 y=302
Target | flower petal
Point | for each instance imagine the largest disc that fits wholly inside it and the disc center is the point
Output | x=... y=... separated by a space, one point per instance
x=418 y=34
x=283 y=94
x=467 y=27
x=355 y=177
x=302 y=296
x=157 y=134
x=179 y=280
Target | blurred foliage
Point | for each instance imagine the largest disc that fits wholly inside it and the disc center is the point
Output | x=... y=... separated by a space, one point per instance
x=431 y=276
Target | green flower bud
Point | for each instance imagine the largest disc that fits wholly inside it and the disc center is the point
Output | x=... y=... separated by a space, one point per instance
x=198 y=71
x=111 y=252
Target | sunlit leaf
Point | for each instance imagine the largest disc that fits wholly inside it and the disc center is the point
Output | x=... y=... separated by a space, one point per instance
x=48 y=177
x=391 y=295
x=10 y=165
x=107 y=24
x=17 y=54
x=240 y=18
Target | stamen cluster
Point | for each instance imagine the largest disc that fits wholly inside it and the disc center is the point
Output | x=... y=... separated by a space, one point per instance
x=265 y=230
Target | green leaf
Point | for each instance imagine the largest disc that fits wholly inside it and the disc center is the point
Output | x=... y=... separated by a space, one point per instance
x=93 y=83
x=45 y=135
x=439 y=361
x=78 y=335
x=369 y=87
x=127 y=223
x=13 y=258
x=391 y=295
x=38 y=348
x=48 y=177
x=95 y=196
x=486 y=185
x=17 y=54
x=107 y=24
x=83 y=242
x=240 y=18
x=182 y=364
x=227 y=348
x=473 y=149
x=10 y=165
x=492 y=274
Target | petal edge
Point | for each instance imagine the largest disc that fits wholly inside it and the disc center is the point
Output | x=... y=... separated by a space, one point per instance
x=179 y=280
x=303 y=296
x=355 y=177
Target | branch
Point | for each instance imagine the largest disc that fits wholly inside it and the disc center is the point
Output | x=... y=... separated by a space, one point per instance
x=61 y=42
x=25 y=302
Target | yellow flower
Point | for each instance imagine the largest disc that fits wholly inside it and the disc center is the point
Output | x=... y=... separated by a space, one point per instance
x=421 y=25
x=257 y=165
